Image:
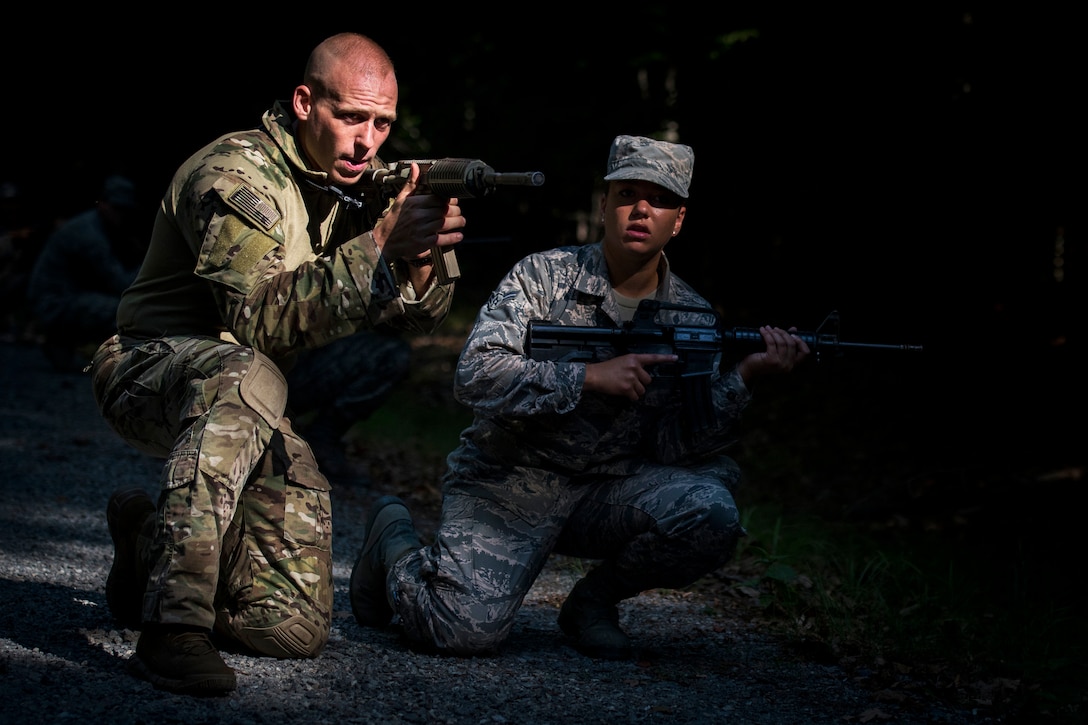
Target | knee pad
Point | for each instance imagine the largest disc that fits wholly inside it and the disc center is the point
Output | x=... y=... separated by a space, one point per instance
x=294 y=638
x=264 y=389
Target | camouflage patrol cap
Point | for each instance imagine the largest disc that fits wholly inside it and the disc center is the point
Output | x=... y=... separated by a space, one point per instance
x=646 y=159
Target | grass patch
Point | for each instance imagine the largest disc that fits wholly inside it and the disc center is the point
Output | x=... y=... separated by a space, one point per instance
x=906 y=603
x=430 y=428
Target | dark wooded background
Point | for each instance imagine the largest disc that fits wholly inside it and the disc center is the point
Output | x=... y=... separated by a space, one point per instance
x=922 y=170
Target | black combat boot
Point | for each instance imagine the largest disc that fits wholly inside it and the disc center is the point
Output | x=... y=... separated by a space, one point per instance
x=182 y=660
x=389 y=536
x=126 y=512
x=590 y=616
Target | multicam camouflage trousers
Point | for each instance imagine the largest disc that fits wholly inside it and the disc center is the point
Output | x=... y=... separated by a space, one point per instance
x=660 y=527
x=242 y=536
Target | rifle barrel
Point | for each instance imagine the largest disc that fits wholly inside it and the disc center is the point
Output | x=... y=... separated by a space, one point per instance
x=818 y=341
x=881 y=346
x=508 y=178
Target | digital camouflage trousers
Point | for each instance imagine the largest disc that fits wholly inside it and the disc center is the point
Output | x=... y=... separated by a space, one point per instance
x=659 y=527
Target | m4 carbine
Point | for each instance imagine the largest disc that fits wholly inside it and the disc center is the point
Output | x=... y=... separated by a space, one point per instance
x=451 y=178
x=698 y=347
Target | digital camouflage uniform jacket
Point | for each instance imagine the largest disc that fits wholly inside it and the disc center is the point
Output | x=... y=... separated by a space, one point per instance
x=536 y=414
x=242 y=254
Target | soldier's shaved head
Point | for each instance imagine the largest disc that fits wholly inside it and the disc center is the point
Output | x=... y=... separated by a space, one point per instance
x=353 y=53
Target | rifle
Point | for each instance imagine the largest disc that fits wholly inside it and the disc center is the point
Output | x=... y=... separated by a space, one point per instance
x=698 y=347
x=451 y=178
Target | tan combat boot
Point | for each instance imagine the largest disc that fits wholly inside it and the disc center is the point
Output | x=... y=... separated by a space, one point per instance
x=181 y=660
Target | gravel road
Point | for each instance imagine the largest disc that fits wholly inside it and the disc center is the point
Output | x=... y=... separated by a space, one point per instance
x=62 y=660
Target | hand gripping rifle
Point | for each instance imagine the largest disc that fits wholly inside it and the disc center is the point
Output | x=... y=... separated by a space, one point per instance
x=698 y=348
x=451 y=178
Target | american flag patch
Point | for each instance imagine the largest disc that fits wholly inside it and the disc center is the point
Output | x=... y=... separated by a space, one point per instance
x=248 y=203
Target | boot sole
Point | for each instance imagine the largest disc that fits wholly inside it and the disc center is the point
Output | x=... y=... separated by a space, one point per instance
x=202 y=685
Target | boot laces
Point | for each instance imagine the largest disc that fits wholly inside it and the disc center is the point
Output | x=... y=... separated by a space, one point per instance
x=192 y=643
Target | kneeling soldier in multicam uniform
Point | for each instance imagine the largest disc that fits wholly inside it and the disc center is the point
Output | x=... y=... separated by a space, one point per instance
x=259 y=251
x=585 y=459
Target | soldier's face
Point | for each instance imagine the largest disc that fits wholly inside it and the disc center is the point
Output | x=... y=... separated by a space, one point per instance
x=640 y=217
x=341 y=131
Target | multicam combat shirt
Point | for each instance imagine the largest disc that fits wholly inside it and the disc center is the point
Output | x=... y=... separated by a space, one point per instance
x=249 y=243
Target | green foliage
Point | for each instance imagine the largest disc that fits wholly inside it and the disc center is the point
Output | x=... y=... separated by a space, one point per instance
x=906 y=597
x=431 y=429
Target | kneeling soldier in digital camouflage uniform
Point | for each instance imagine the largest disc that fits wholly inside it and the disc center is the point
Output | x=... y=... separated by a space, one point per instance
x=589 y=460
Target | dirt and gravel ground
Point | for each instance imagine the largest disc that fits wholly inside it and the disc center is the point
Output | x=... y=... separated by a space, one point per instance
x=62 y=659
